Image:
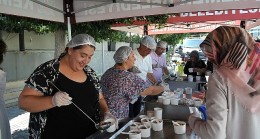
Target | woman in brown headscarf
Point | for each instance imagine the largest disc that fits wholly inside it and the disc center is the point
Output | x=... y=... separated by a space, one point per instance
x=233 y=100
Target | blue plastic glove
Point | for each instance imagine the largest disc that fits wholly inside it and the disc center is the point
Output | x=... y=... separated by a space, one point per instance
x=202 y=109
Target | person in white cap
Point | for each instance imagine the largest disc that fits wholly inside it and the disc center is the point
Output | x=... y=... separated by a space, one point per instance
x=122 y=87
x=54 y=85
x=159 y=61
x=144 y=64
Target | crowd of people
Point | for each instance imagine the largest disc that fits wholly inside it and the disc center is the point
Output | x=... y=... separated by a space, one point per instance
x=67 y=88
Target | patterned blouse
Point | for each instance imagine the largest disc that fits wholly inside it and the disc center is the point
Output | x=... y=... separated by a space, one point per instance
x=119 y=88
x=40 y=80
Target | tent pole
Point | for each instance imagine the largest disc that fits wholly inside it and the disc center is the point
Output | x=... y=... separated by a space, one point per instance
x=243 y=24
x=146 y=29
x=103 y=53
x=69 y=28
x=68 y=21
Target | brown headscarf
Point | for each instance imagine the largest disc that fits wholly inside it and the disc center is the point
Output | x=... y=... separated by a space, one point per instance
x=237 y=57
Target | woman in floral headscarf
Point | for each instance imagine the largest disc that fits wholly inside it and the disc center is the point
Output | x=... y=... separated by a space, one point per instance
x=233 y=100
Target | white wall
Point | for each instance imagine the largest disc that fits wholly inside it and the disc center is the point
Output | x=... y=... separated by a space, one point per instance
x=32 y=41
x=40 y=48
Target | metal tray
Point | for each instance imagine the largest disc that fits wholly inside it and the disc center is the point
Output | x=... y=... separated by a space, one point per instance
x=166 y=133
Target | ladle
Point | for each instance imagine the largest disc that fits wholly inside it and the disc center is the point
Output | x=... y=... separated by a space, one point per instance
x=102 y=126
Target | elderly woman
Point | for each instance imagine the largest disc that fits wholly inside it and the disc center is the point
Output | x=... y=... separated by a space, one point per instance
x=121 y=87
x=233 y=100
x=199 y=67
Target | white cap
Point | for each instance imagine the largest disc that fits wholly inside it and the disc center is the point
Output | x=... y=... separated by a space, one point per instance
x=162 y=44
x=81 y=39
x=149 y=42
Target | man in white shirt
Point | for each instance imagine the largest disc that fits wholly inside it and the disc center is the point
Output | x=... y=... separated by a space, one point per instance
x=144 y=64
x=159 y=61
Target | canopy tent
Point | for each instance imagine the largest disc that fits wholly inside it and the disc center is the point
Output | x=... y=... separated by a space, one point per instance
x=94 y=10
x=77 y=11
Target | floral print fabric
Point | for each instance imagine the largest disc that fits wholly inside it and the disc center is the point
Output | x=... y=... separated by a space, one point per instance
x=119 y=88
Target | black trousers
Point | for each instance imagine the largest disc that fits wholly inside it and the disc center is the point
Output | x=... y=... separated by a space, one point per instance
x=134 y=109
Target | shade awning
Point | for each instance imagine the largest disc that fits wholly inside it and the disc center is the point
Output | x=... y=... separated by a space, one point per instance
x=94 y=10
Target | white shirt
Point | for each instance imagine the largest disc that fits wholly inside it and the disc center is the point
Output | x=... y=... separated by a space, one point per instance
x=158 y=63
x=144 y=65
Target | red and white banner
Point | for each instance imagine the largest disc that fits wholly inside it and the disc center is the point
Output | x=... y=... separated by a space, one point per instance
x=226 y=15
x=190 y=22
x=219 y=15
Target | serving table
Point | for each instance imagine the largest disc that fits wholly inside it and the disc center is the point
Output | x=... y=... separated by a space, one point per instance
x=170 y=112
x=166 y=133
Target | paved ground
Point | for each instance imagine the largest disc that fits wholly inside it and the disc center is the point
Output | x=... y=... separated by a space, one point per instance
x=18 y=122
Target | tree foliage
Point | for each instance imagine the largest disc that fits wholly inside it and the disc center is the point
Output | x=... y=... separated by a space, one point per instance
x=100 y=30
x=17 y=24
x=172 y=39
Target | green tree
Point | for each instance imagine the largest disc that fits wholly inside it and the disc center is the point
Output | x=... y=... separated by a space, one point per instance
x=100 y=30
x=17 y=24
